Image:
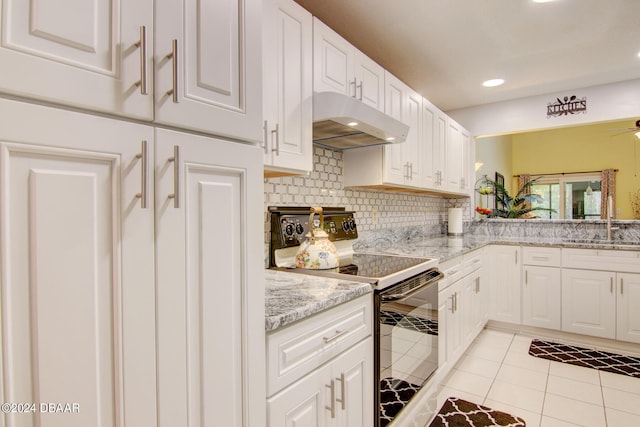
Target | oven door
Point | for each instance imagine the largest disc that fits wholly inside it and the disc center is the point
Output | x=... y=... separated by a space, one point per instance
x=406 y=341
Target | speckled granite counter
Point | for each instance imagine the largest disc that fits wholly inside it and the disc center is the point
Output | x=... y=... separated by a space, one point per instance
x=292 y=296
x=445 y=248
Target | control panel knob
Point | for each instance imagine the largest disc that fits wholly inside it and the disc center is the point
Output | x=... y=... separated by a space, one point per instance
x=299 y=229
x=288 y=229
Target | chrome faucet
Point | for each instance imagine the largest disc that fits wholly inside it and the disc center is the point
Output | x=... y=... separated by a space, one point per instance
x=609 y=216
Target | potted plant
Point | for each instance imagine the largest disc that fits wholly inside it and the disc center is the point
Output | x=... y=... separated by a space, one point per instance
x=518 y=206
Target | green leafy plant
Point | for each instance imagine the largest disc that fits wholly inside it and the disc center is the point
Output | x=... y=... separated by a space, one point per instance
x=517 y=206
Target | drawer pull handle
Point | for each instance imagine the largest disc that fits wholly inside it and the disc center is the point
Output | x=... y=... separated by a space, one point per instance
x=541 y=258
x=343 y=396
x=337 y=335
x=332 y=408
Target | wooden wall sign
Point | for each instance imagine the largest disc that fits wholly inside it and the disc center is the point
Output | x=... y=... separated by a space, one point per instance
x=567 y=105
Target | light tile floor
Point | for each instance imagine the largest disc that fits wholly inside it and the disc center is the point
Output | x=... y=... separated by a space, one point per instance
x=497 y=371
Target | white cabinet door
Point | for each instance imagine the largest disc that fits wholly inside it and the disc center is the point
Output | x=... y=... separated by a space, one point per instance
x=541 y=297
x=628 y=326
x=340 y=67
x=210 y=302
x=77 y=253
x=304 y=403
x=504 y=281
x=439 y=154
x=589 y=302
x=454 y=332
x=429 y=145
x=395 y=164
x=81 y=53
x=454 y=156
x=369 y=81
x=412 y=149
x=332 y=61
x=340 y=393
x=288 y=90
x=208 y=66
x=353 y=382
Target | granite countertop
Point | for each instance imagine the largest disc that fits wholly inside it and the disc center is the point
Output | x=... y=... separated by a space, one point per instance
x=444 y=248
x=293 y=296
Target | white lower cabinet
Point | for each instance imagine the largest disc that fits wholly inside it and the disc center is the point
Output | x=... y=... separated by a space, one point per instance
x=339 y=393
x=504 y=263
x=117 y=290
x=320 y=370
x=541 y=297
x=462 y=307
x=628 y=305
x=589 y=302
x=541 y=287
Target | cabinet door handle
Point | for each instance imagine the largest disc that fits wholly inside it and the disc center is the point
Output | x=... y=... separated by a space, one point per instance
x=343 y=388
x=334 y=337
x=611 y=284
x=276 y=148
x=332 y=408
x=174 y=80
x=176 y=176
x=142 y=44
x=144 y=165
x=353 y=84
x=453 y=308
x=621 y=286
x=264 y=141
x=526 y=277
x=360 y=87
x=516 y=257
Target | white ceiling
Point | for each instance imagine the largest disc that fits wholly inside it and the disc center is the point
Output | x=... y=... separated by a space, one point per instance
x=445 y=49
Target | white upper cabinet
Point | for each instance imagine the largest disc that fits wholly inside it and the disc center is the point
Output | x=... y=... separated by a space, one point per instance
x=208 y=66
x=458 y=158
x=434 y=127
x=99 y=55
x=89 y=54
x=288 y=87
x=340 y=67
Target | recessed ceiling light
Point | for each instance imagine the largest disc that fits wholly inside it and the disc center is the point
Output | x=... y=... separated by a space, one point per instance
x=353 y=123
x=390 y=138
x=493 y=82
x=542 y=1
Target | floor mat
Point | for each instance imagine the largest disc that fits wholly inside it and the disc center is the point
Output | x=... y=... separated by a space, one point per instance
x=460 y=413
x=409 y=321
x=590 y=358
x=394 y=395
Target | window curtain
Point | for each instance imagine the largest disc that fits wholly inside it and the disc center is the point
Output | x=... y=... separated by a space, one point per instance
x=608 y=185
x=523 y=179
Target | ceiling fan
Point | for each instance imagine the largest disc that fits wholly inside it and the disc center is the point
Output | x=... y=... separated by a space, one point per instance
x=627 y=130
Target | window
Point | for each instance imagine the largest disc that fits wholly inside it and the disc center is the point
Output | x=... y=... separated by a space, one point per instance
x=574 y=196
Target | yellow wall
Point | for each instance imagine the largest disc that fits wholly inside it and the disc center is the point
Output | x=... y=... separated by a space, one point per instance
x=583 y=148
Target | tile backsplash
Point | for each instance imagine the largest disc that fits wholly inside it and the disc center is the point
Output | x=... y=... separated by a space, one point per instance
x=375 y=210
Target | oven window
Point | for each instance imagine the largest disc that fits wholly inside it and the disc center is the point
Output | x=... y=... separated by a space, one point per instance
x=408 y=348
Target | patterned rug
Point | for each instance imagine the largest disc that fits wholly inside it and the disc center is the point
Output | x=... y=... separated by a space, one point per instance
x=596 y=359
x=408 y=321
x=394 y=395
x=460 y=413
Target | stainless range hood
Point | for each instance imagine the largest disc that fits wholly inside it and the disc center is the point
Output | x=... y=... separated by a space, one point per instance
x=343 y=122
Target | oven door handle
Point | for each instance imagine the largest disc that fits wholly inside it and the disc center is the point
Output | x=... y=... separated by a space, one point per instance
x=405 y=295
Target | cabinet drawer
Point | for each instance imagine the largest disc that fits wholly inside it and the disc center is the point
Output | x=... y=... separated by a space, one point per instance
x=472 y=261
x=452 y=270
x=298 y=349
x=545 y=257
x=605 y=260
